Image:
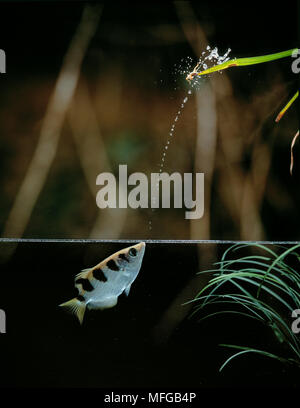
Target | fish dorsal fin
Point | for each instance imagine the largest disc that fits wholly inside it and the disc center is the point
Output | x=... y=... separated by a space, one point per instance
x=83 y=274
x=76 y=307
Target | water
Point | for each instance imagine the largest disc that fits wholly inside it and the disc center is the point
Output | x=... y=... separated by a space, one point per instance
x=172 y=131
x=210 y=55
x=45 y=346
x=134 y=344
x=184 y=67
x=167 y=145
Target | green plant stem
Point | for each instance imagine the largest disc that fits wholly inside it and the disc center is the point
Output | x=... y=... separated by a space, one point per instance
x=239 y=62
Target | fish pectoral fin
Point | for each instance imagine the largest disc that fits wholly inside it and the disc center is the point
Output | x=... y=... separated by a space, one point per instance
x=76 y=307
x=83 y=274
x=127 y=290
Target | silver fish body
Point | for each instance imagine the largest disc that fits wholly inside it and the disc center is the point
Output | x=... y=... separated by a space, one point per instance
x=100 y=286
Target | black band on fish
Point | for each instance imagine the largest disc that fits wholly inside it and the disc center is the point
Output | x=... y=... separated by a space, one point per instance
x=124 y=257
x=111 y=264
x=86 y=284
x=99 y=275
x=80 y=298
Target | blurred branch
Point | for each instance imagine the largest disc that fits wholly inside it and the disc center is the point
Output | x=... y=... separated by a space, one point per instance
x=243 y=190
x=255 y=182
x=205 y=154
x=206 y=117
x=46 y=148
x=93 y=158
x=190 y=26
x=204 y=161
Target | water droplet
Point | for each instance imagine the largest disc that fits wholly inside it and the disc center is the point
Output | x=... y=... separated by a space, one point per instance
x=189 y=91
x=185 y=100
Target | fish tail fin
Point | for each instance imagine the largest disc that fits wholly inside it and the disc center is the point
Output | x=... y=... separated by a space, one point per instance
x=76 y=307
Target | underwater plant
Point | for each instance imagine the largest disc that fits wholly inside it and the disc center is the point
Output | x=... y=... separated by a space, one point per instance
x=264 y=287
x=239 y=62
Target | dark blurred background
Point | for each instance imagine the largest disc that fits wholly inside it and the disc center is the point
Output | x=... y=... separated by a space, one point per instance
x=66 y=116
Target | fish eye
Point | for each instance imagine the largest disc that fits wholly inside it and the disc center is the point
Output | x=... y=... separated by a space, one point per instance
x=132 y=251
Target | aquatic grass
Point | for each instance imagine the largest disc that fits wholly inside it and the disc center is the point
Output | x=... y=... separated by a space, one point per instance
x=286 y=107
x=241 y=62
x=262 y=287
x=251 y=350
x=292 y=154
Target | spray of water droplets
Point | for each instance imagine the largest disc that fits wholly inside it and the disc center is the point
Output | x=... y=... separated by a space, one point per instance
x=211 y=56
x=172 y=131
x=208 y=57
x=168 y=142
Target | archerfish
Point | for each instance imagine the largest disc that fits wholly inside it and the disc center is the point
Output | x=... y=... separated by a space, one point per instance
x=100 y=286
